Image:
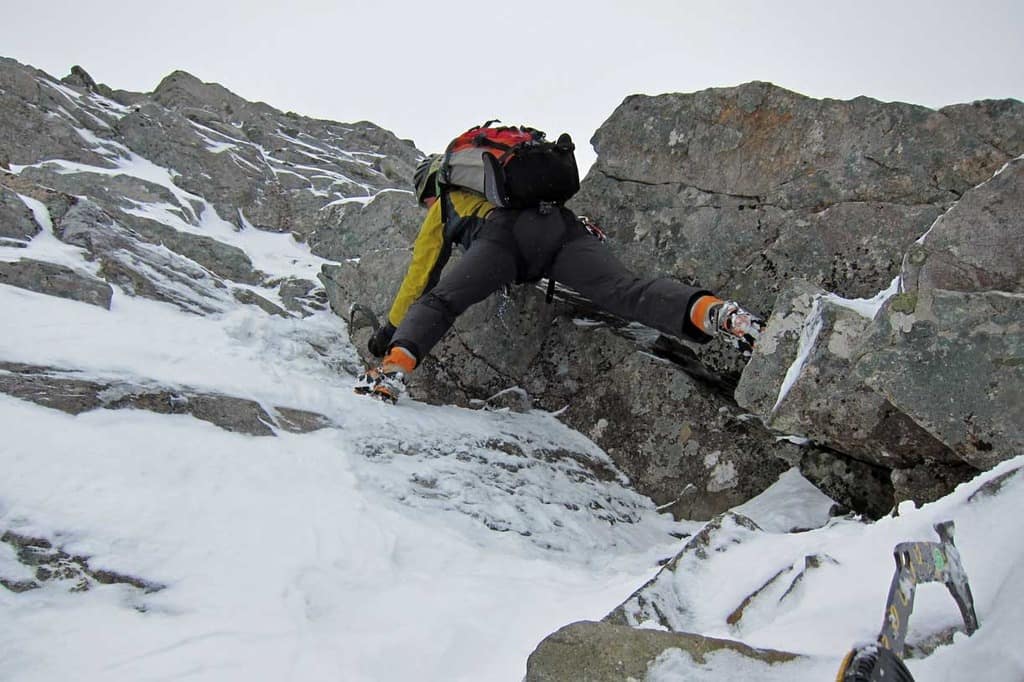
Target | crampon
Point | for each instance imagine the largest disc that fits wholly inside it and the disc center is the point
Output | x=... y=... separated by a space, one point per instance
x=383 y=385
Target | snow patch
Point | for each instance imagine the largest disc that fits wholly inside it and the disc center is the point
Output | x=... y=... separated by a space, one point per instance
x=808 y=338
x=791 y=503
x=677 y=665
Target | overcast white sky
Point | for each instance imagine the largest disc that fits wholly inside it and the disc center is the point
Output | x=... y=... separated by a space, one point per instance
x=429 y=69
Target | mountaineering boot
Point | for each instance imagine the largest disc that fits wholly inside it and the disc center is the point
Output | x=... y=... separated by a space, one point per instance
x=726 y=318
x=387 y=380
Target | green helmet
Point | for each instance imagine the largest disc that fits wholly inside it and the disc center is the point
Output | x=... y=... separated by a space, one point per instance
x=425 y=177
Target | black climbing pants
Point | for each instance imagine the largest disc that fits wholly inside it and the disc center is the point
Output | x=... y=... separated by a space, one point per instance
x=524 y=245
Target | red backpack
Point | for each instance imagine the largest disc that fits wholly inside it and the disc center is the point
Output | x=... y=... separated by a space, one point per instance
x=514 y=167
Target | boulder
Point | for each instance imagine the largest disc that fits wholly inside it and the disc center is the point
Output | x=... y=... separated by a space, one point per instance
x=69 y=392
x=605 y=652
x=957 y=323
x=16 y=221
x=801 y=381
x=953 y=362
x=56 y=280
x=758 y=140
x=996 y=121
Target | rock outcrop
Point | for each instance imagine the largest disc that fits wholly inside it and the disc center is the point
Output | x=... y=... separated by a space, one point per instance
x=153 y=185
x=108 y=193
x=16 y=223
x=926 y=382
x=65 y=390
x=745 y=188
x=56 y=280
x=605 y=652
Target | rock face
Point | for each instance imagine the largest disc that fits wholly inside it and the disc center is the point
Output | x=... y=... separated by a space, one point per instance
x=108 y=193
x=929 y=384
x=967 y=354
x=150 y=184
x=976 y=245
x=16 y=222
x=742 y=190
x=802 y=381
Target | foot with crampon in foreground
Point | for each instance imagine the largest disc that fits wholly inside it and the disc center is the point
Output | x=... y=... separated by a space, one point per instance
x=387 y=381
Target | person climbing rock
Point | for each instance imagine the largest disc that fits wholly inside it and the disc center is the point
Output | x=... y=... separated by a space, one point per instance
x=509 y=218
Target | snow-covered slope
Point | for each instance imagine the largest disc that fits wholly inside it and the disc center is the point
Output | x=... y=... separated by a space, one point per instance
x=374 y=549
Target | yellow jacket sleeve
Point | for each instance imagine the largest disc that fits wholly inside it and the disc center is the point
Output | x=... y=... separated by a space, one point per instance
x=431 y=251
x=425 y=254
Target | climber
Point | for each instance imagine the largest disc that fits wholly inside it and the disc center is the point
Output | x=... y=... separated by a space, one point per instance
x=506 y=245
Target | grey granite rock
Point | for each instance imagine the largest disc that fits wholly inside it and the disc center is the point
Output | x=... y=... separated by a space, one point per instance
x=978 y=245
x=16 y=221
x=56 y=280
x=954 y=362
x=68 y=391
x=741 y=189
x=801 y=381
x=605 y=652
x=825 y=402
